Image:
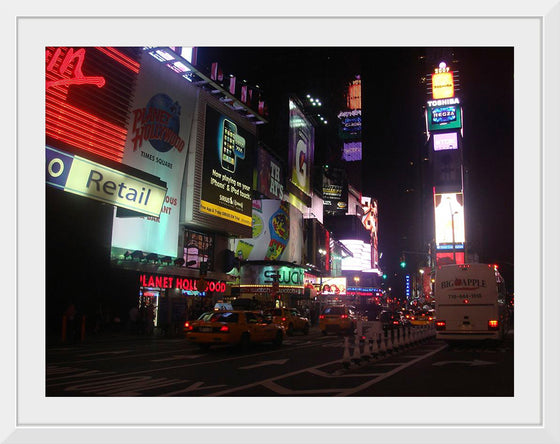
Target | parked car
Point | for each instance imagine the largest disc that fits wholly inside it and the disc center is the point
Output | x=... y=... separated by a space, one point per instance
x=290 y=318
x=337 y=318
x=233 y=327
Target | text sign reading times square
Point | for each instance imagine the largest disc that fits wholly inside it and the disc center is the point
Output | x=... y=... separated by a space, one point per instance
x=83 y=177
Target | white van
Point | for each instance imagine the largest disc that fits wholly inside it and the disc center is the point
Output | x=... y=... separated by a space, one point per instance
x=470 y=302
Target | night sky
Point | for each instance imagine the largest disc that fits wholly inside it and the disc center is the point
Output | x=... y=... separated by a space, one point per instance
x=394 y=144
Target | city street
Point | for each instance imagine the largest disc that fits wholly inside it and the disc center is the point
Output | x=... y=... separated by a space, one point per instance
x=312 y=365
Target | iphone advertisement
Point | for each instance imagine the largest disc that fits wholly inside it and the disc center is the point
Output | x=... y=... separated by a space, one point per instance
x=227 y=169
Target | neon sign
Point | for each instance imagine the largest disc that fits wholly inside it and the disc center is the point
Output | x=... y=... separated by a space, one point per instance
x=74 y=61
x=180 y=283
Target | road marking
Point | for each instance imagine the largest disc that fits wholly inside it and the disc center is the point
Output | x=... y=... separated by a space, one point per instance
x=286 y=391
x=264 y=363
x=323 y=374
x=390 y=373
x=475 y=363
x=176 y=357
x=193 y=387
x=116 y=352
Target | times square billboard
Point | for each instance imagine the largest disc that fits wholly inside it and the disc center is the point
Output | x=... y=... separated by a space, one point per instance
x=301 y=149
x=449 y=220
x=227 y=174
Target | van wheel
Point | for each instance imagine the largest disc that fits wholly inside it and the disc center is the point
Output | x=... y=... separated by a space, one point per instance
x=245 y=342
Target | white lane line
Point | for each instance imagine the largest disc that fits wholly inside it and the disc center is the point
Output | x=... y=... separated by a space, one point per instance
x=323 y=374
x=390 y=373
x=286 y=391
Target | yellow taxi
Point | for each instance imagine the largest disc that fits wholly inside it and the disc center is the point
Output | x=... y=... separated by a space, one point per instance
x=424 y=317
x=233 y=327
x=337 y=319
x=290 y=318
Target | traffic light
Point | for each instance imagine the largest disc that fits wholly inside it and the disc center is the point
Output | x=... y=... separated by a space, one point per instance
x=384 y=275
x=403 y=262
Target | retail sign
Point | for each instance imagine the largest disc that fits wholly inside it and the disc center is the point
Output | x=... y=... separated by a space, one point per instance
x=83 y=177
x=181 y=283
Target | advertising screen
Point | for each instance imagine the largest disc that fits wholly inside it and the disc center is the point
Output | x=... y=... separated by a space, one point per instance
x=361 y=255
x=442 y=85
x=445 y=141
x=444 y=117
x=449 y=220
x=277 y=233
x=227 y=169
x=333 y=286
x=352 y=151
x=335 y=192
x=370 y=221
x=301 y=149
x=158 y=133
x=269 y=175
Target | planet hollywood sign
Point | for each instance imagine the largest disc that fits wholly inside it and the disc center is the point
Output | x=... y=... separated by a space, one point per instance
x=181 y=283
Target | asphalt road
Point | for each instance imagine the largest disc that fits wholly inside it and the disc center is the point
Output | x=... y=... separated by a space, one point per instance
x=311 y=365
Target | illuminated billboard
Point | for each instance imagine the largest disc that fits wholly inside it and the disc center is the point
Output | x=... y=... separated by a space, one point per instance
x=445 y=141
x=361 y=255
x=227 y=174
x=159 y=129
x=277 y=233
x=301 y=149
x=442 y=85
x=269 y=175
x=449 y=221
x=77 y=175
x=333 y=286
x=444 y=117
x=335 y=192
x=352 y=151
x=370 y=221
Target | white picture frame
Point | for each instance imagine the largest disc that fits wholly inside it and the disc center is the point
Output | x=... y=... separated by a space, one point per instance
x=530 y=417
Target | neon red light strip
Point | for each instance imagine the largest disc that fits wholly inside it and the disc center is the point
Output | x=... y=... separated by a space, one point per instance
x=120 y=58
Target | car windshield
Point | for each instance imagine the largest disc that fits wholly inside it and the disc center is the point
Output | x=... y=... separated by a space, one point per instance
x=224 y=316
x=334 y=311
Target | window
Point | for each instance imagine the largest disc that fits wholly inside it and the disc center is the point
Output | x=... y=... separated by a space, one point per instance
x=198 y=248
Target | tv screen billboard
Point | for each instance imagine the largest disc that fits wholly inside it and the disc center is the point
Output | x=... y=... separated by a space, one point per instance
x=449 y=220
x=444 y=117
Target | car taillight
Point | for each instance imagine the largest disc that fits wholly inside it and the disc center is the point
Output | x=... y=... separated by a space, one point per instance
x=321 y=316
x=283 y=319
x=188 y=326
x=343 y=316
x=395 y=322
x=430 y=318
x=492 y=324
x=224 y=329
x=465 y=301
x=440 y=325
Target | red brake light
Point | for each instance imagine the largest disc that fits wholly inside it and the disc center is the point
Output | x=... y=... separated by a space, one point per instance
x=465 y=301
x=321 y=316
x=440 y=325
x=492 y=324
x=395 y=322
x=224 y=329
x=430 y=318
x=343 y=316
x=283 y=319
x=188 y=326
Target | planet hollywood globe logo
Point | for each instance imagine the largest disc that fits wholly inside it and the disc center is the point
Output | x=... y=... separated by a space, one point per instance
x=159 y=124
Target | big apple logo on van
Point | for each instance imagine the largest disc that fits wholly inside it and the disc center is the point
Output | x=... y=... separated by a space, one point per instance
x=159 y=124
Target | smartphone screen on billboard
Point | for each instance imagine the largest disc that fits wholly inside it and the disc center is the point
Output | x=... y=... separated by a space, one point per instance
x=228 y=145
